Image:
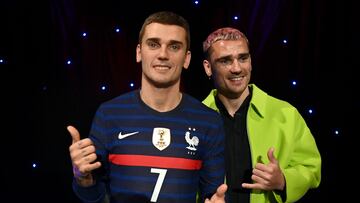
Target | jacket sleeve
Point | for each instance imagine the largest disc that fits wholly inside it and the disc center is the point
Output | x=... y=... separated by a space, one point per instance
x=304 y=169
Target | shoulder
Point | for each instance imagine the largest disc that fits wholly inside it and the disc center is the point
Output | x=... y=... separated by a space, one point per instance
x=260 y=95
x=264 y=102
x=123 y=101
x=196 y=107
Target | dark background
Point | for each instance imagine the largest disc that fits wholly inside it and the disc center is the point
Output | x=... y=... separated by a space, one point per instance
x=42 y=94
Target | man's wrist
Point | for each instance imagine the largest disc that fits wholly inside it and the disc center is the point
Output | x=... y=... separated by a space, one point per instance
x=83 y=179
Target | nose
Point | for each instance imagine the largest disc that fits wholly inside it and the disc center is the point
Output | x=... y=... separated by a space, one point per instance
x=163 y=53
x=235 y=67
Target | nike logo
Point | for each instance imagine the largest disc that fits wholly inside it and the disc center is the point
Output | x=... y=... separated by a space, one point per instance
x=122 y=136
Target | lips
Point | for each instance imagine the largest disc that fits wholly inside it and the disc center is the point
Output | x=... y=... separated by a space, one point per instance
x=237 y=78
x=162 y=67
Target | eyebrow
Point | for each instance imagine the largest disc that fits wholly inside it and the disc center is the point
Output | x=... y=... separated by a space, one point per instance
x=155 y=39
x=229 y=57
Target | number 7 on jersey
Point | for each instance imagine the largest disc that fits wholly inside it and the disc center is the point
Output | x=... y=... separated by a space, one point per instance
x=159 y=182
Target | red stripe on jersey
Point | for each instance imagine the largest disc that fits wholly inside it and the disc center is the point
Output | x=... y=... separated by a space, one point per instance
x=155 y=161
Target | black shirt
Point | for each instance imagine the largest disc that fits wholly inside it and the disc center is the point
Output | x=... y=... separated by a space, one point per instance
x=237 y=152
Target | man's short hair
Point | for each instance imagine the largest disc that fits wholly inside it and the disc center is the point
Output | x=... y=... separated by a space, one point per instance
x=167 y=18
x=226 y=33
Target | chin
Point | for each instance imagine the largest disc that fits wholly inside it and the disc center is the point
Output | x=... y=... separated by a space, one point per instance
x=163 y=84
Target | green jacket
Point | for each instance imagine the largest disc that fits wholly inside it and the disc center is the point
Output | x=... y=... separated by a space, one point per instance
x=275 y=123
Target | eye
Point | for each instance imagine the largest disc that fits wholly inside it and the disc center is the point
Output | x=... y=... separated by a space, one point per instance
x=244 y=57
x=175 y=47
x=225 y=62
x=152 y=44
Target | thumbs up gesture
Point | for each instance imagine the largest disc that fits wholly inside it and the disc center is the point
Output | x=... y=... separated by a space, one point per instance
x=267 y=176
x=82 y=153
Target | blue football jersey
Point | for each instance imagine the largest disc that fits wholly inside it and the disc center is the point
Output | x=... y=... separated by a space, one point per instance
x=151 y=156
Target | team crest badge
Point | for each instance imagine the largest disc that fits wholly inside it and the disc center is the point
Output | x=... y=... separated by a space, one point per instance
x=161 y=138
x=192 y=141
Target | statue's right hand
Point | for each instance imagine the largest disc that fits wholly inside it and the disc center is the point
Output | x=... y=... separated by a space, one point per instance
x=82 y=153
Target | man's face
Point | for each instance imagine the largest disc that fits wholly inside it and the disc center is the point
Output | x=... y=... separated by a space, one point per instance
x=163 y=54
x=230 y=66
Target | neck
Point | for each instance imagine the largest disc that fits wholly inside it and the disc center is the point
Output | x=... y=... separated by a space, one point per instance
x=161 y=99
x=233 y=104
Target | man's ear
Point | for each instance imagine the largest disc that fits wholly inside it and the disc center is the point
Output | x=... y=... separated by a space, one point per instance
x=138 y=53
x=207 y=68
x=187 y=59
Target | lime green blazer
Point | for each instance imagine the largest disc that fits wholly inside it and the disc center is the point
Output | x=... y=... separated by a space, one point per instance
x=275 y=123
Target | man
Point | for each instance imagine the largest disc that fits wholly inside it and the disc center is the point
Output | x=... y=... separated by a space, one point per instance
x=155 y=144
x=270 y=153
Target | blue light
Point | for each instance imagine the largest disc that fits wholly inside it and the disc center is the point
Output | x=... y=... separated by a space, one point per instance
x=84 y=34
x=117 y=29
x=103 y=88
x=285 y=41
x=236 y=17
x=310 y=111
x=196 y=2
x=34 y=165
x=131 y=84
x=68 y=62
x=337 y=132
x=294 y=83
x=1 y=60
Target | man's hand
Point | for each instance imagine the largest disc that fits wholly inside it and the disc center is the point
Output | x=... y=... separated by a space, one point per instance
x=219 y=196
x=82 y=153
x=267 y=176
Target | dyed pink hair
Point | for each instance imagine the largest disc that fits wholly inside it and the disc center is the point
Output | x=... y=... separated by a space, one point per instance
x=226 y=33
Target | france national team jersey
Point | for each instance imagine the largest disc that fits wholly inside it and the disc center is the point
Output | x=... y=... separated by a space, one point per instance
x=151 y=156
